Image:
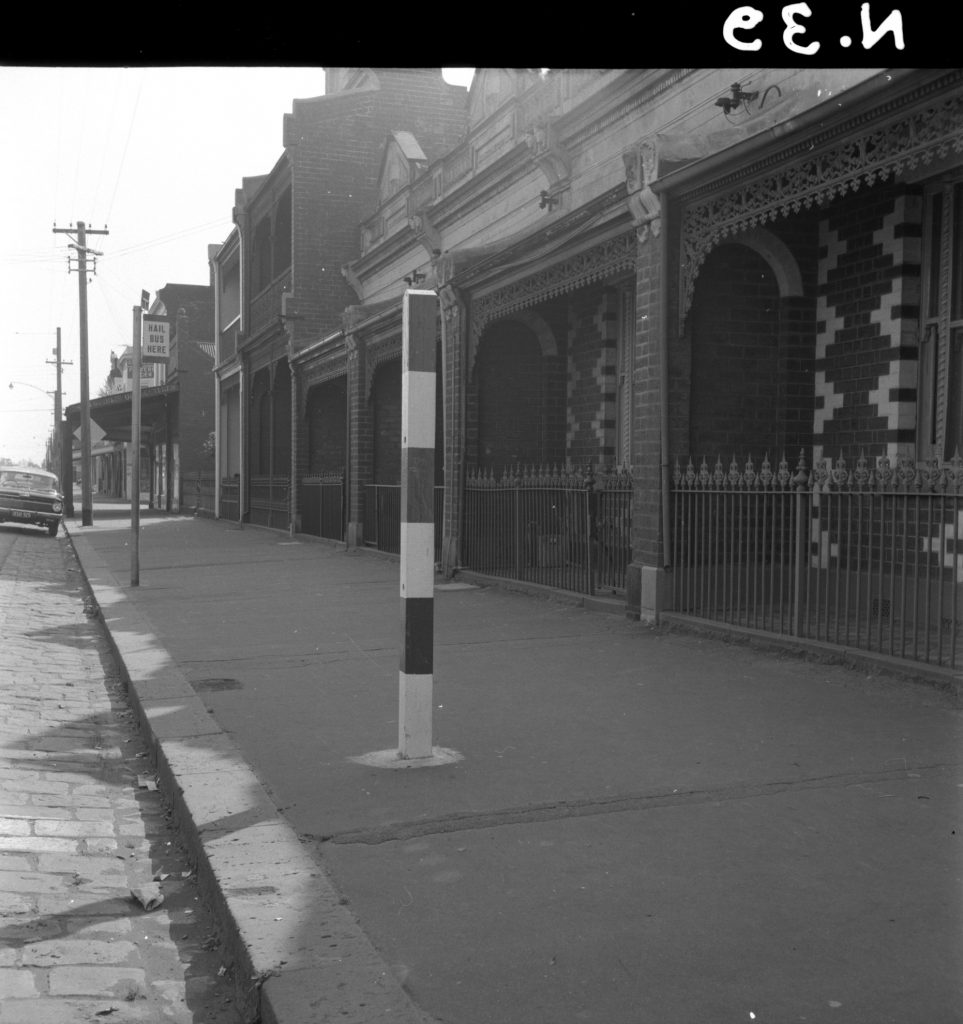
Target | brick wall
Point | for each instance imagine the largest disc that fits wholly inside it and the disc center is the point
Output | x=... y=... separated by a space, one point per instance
x=507 y=413
x=386 y=422
x=592 y=368
x=326 y=427
x=195 y=409
x=734 y=325
x=335 y=145
x=742 y=376
x=646 y=424
x=868 y=310
x=797 y=338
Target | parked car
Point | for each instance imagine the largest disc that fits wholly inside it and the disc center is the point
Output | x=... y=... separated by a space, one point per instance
x=31 y=497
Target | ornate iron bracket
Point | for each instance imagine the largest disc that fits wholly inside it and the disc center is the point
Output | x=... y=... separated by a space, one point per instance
x=645 y=206
x=551 y=157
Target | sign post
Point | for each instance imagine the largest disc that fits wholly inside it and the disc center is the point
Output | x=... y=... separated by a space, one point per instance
x=152 y=334
x=135 y=452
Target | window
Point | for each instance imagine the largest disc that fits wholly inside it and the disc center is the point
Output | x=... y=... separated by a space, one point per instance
x=940 y=388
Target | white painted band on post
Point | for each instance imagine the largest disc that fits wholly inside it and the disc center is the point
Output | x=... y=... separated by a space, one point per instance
x=414 y=715
x=418 y=409
x=417 y=559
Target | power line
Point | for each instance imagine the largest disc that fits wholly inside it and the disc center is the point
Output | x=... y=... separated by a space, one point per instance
x=172 y=237
x=103 y=151
x=123 y=158
x=83 y=125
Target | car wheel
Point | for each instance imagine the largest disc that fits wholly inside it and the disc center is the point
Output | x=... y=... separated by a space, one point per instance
x=53 y=528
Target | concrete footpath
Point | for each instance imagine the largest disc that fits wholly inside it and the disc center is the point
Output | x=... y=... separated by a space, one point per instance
x=635 y=826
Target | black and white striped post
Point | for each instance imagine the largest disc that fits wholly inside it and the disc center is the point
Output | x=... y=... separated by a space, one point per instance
x=418 y=383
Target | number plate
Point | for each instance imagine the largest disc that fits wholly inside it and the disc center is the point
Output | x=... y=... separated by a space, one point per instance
x=19 y=514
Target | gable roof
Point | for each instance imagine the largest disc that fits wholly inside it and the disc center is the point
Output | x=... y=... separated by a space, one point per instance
x=401 y=162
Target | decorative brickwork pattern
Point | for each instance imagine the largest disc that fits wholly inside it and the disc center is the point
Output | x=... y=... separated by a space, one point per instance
x=591 y=386
x=867 y=315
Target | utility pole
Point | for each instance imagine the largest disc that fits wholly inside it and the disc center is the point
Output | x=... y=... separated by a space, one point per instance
x=86 y=501
x=58 y=455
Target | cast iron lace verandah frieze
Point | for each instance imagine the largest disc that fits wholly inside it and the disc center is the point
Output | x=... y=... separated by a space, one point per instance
x=856 y=159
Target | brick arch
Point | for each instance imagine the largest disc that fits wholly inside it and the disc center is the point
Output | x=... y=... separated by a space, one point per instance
x=540 y=328
x=734 y=329
x=517 y=395
x=533 y=321
x=778 y=255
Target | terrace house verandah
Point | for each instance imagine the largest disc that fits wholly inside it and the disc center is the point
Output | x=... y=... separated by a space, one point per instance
x=545 y=403
x=532 y=251
x=814 y=377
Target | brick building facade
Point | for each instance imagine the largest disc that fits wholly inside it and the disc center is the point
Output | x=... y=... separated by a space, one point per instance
x=177 y=409
x=280 y=288
x=646 y=295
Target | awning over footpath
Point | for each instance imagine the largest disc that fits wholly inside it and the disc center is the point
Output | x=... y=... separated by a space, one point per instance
x=112 y=413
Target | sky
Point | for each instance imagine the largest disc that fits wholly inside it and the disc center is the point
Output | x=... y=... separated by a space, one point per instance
x=153 y=154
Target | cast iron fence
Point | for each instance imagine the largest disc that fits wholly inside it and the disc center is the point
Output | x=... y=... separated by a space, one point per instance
x=322 y=505
x=200 y=499
x=382 y=517
x=565 y=528
x=867 y=555
x=269 y=499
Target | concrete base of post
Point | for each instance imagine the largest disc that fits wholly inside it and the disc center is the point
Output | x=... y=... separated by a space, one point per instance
x=645 y=592
x=393 y=759
x=653 y=586
x=414 y=715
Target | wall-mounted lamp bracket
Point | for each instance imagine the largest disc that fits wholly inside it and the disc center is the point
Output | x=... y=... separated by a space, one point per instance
x=729 y=103
x=548 y=201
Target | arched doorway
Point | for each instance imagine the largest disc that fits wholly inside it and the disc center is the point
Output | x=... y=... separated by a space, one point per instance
x=270 y=459
x=322 y=493
x=735 y=327
x=516 y=402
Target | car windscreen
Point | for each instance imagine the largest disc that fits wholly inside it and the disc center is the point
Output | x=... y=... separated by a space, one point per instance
x=22 y=481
